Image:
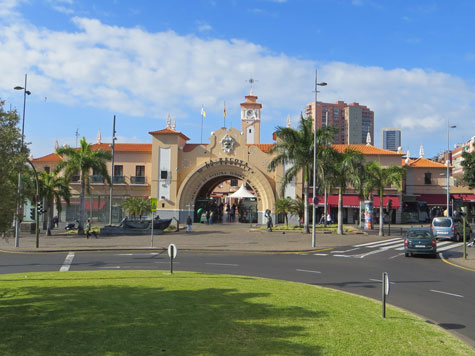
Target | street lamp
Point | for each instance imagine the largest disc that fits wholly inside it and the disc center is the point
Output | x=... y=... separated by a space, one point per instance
x=448 y=164
x=314 y=212
x=19 y=201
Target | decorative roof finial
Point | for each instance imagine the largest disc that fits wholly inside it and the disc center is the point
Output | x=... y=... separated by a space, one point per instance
x=408 y=158
x=288 y=121
x=368 y=139
x=56 y=145
x=251 y=81
x=421 y=151
x=173 y=124
x=99 y=136
x=168 y=121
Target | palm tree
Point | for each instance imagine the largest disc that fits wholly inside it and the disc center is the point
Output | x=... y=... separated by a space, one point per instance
x=295 y=147
x=345 y=168
x=379 y=178
x=298 y=208
x=53 y=189
x=136 y=206
x=82 y=161
x=284 y=206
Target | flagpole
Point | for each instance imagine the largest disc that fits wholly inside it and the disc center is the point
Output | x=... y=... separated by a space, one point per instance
x=201 y=140
x=224 y=120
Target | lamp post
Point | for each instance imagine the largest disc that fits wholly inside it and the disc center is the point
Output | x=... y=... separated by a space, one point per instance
x=112 y=171
x=314 y=212
x=448 y=165
x=19 y=200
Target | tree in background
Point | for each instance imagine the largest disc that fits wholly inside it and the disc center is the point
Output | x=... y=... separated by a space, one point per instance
x=284 y=206
x=298 y=208
x=53 y=189
x=345 y=168
x=137 y=206
x=12 y=157
x=379 y=178
x=468 y=165
x=83 y=161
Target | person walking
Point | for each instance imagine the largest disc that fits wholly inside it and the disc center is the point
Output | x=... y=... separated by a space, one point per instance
x=189 y=222
x=211 y=215
x=89 y=230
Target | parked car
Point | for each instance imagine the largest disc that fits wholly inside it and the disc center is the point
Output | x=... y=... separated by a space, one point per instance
x=420 y=241
x=449 y=228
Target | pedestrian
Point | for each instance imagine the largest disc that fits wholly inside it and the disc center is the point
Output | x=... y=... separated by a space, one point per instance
x=189 y=222
x=55 y=221
x=329 y=219
x=211 y=214
x=207 y=216
x=89 y=230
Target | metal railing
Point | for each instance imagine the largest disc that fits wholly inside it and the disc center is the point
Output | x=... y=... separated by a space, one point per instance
x=137 y=180
x=118 y=179
x=97 y=179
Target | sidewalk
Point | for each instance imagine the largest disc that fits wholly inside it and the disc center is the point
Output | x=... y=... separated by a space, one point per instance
x=218 y=237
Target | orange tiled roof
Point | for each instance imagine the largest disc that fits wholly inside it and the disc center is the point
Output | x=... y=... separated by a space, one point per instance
x=169 y=131
x=422 y=162
x=124 y=147
x=366 y=149
x=52 y=157
x=264 y=147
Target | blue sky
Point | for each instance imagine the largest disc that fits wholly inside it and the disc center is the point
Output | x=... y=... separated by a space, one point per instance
x=411 y=62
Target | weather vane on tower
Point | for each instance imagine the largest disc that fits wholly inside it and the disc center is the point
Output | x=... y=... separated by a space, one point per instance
x=251 y=81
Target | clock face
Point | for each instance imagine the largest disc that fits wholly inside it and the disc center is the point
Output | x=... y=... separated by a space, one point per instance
x=250 y=113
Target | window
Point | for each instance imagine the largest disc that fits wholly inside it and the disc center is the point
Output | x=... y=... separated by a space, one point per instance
x=163 y=174
x=140 y=171
x=47 y=169
x=234 y=182
x=428 y=178
x=118 y=170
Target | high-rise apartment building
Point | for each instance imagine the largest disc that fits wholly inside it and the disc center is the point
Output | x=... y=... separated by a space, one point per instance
x=390 y=138
x=353 y=121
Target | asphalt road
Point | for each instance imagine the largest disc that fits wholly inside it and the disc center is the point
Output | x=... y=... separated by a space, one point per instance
x=428 y=287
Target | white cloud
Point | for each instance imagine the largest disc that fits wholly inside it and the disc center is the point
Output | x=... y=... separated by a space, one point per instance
x=203 y=26
x=139 y=73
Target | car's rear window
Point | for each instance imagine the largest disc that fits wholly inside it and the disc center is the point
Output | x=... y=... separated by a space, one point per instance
x=442 y=222
x=419 y=234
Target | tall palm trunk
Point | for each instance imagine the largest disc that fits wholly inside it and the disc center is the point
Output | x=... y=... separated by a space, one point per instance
x=340 y=212
x=82 y=206
x=305 y=213
x=381 y=212
x=50 y=207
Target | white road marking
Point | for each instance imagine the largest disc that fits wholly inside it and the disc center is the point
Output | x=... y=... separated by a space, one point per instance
x=380 y=281
x=450 y=246
x=112 y=267
x=67 y=262
x=376 y=242
x=454 y=295
x=320 y=254
x=168 y=262
x=399 y=254
x=353 y=249
x=305 y=270
x=342 y=255
x=138 y=254
x=392 y=243
x=222 y=264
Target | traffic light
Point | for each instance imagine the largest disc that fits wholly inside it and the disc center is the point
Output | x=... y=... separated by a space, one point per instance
x=39 y=207
x=32 y=214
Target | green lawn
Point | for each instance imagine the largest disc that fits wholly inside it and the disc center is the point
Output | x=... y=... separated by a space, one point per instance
x=155 y=313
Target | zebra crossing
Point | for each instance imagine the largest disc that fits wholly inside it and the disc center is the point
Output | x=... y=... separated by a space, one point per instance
x=394 y=244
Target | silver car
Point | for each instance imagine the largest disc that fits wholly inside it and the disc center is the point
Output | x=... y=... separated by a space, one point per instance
x=448 y=228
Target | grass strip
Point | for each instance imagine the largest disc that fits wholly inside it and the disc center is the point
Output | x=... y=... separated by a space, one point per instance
x=153 y=312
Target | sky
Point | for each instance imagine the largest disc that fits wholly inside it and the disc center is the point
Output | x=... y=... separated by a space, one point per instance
x=411 y=62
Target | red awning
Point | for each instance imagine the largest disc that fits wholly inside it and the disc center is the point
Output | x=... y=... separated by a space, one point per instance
x=353 y=201
x=87 y=204
x=465 y=197
x=433 y=199
x=394 y=200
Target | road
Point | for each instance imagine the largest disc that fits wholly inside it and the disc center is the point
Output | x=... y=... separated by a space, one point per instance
x=428 y=287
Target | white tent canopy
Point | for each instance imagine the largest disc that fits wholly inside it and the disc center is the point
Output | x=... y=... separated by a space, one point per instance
x=242 y=192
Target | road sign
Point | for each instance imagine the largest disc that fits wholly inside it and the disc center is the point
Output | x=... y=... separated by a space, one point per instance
x=153 y=203
x=172 y=251
x=386 y=283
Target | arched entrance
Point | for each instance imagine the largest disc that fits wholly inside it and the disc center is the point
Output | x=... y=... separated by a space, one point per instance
x=199 y=184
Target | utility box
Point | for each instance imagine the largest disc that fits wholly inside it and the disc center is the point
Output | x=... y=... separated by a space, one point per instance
x=28 y=227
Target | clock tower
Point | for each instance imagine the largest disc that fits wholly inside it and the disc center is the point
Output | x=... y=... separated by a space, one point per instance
x=251 y=119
